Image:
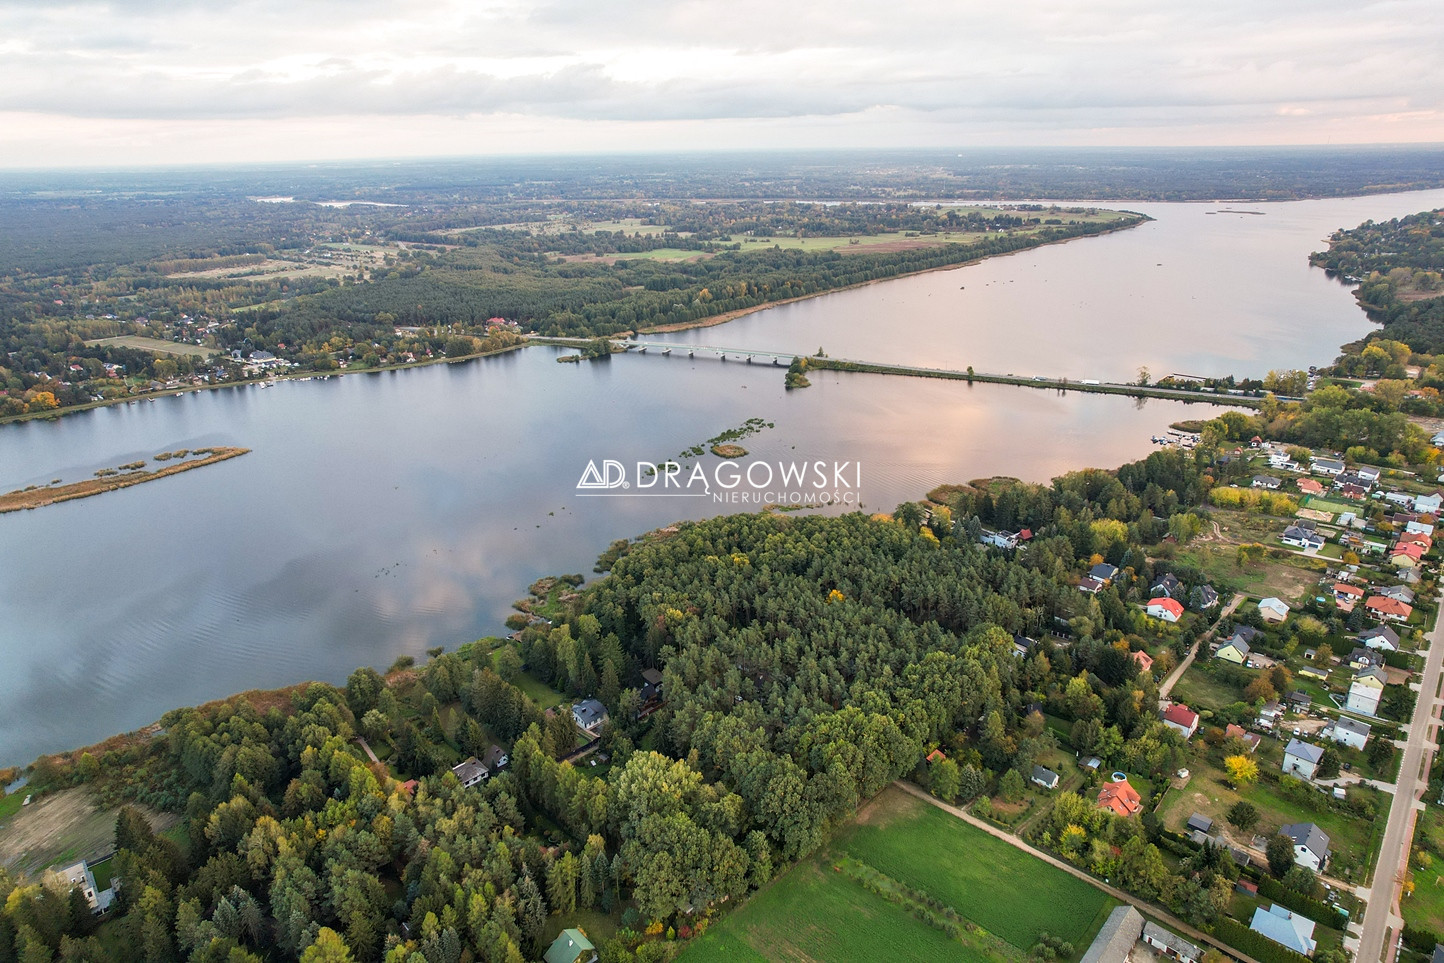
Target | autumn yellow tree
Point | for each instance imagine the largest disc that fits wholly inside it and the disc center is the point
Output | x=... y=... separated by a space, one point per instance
x=1241 y=770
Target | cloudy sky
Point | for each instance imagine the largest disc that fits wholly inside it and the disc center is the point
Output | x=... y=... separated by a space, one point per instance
x=180 y=81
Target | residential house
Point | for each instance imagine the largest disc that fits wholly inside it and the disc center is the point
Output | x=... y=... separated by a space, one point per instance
x=1103 y=572
x=1167 y=585
x=80 y=877
x=1199 y=823
x=1300 y=537
x=1121 y=798
x=1115 y=940
x=1286 y=928
x=1419 y=528
x=1399 y=498
x=1311 y=845
x=1167 y=609
x=1022 y=645
x=1327 y=466
x=1402 y=593
x=1346 y=595
x=1046 y=778
x=1301 y=759
x=1205 y=597
x=1362 y=657
x=1273 y=609
x=1266 y=481
x=495 y=759
x=1270 y=715
x=471 y=772
x=1381 y=637
x=1310 y=487
x=1234 y=649
x=1090 y=585
x=1348 y=732
x=1387 y=609
x=1171 y=945
x=1355 y=479
x=589 y=715
x=571 y=946
x=1144 y=660
x=1004 y=540
x=1365 y=691
x=1428 y=504
x=1181 y=718
x=1352 y=492
x=1249 y=739
x=1368 y=473
x=651 y=691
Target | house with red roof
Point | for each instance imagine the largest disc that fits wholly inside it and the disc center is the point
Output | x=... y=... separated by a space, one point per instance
x=1384 y=608
x=1406 y=555
x=1310 y=487
x=1167 y=609
x=1182 y=718
x=1346 y=595
x=1121 y=798
x=1144 y=660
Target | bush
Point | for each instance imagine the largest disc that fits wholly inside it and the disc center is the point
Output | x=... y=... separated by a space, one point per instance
x=1320 y=912
x=1260 y=947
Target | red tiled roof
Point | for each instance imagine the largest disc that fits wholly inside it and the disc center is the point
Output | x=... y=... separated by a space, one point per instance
x=1120 y=797
x=1180 y=715
x=1341 y=588
x=1168 y=605
x=1382 y=603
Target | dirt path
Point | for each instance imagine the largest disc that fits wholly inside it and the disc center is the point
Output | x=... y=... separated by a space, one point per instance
x=1118 y=894
x=61 y=828
x=1177 y=673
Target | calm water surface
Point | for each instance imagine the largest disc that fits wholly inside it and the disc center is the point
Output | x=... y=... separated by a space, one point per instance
x=1198 y=290
x=379 y=515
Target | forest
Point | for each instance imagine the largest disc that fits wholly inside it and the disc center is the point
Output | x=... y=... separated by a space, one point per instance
x=1398 y=265
x=807 y=662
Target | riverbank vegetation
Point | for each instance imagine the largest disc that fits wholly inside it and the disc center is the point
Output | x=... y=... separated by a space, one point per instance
x=111 y=479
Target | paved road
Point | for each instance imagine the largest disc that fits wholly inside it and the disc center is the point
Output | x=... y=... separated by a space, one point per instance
x=1118 y=894
x=1381 y=917
x=1177 y=673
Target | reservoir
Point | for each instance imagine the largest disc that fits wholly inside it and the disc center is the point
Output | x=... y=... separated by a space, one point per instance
x=382 y=514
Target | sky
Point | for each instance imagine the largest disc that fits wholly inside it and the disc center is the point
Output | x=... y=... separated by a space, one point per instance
x=171 y=82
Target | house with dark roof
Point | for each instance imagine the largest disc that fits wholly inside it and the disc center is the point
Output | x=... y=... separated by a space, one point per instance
x=1103 y=572
x=1234 y=649
x=1206 y=597
x=1400 y=593
x=1381 y=637
x=1311 y=845
x=471 y=772
x=1300 y=537
x=1046 y=778
x=1301 y=759
x=495 y=759
x=651 y=692
x=1327 y=466
x=1166 y=584
x=589 y=715
x=1266 y=481
x=1366 y=690
x=1022 y=645
x=1090 y=585
x=1348 y=732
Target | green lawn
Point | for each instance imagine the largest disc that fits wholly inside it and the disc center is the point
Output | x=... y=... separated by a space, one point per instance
x=1001 y=888
x=1425 y=906
x=542 y=694
x=156 y=345
x=819 y=911
x=10 y=805
x=1201 y=689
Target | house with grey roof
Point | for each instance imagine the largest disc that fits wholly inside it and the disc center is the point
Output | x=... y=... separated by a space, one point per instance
x=471 y=772
x=1116 y=938
x=1301 y=537
x=1301 y=759
x=1170 y=944
x=589 y=715
x=1399 y=593
x=1348 y=732
x=1286 y=928
x=1311 y=845
x=1103 y=572
x=1381 y=637
x=1327 y=466
x=1266 y=481
x=1046 y=778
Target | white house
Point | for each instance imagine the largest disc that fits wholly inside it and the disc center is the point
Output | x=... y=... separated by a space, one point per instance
x=1301 y=759
x=1166 y=609
x=1182 y=719
x=1299 y=536
x=1428 y=504
x=1381 y=637
x=1273 y=609
x=589 y=715
x=1369 y=473
x=1365 y=692
x=1348 y=732
x=1327 y=466
x=1286 y=928
x=80 y=877
x=1311 y=845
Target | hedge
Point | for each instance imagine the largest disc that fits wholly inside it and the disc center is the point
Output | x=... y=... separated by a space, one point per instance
x=1316 y=910
x=1417 y=938
x=1256 y=945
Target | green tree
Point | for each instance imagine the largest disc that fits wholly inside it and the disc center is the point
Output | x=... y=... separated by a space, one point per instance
x=1243 y=815
x=1011 y=786
x=1280 y=853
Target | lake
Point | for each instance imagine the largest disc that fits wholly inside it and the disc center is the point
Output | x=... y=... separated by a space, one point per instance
x=1202 y=289
x=382 y=514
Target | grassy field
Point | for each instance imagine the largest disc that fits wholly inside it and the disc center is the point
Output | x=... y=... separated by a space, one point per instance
x=156 y=345
x=817 y=911
x=1425 y=906
x=1200 y=689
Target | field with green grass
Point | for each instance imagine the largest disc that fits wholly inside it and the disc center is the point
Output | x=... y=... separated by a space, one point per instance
x=819 y=911
x=1425 y=906
x=155 y=344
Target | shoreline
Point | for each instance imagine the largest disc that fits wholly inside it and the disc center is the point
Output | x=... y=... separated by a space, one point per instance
x=31 y=499
x=661 y=329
